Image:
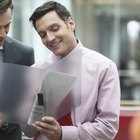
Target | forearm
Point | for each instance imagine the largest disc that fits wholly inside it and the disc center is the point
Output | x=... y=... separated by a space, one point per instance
x=90 y=131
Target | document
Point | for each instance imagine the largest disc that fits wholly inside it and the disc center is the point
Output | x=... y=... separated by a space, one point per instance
x=55 y=88
x=18 y=88
x=37 y=111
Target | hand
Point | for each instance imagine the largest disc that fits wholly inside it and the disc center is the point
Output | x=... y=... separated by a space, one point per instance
x=2 y=119
x=49 y=127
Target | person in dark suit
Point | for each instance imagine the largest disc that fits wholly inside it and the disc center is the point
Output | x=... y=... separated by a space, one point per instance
x=11 y=51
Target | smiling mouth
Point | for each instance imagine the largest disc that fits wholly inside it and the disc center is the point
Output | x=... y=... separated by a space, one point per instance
x=56 y=44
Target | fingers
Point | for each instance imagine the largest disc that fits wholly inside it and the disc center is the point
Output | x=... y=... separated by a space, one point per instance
x=44 y=130
x=43 y=125
x=49 y=120
x=48 y=126
x=47 y=123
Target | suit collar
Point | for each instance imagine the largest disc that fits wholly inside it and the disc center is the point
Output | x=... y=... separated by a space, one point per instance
x=9 y=49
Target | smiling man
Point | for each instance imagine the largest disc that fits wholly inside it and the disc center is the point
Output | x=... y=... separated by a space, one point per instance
x=56 y=34
x=97 y=117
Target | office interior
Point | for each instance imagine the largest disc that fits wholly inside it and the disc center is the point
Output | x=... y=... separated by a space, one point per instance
x=111 y=27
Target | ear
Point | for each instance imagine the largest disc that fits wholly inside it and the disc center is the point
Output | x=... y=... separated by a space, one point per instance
x=71 y=23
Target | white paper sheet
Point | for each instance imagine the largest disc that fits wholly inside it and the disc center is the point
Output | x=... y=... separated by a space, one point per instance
x=55 y=88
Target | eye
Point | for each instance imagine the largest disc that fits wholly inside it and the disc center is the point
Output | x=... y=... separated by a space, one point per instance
x=54 y=28
x=42 y=34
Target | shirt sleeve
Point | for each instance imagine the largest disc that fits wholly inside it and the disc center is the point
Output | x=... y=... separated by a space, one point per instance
x=106 y=123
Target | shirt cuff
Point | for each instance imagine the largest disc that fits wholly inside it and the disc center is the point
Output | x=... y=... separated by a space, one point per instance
x=69 y=133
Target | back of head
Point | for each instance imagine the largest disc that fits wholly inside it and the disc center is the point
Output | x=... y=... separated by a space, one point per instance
x=5 y=4
x=60 y=9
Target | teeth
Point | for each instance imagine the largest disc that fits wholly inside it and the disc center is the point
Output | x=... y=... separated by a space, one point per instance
x=55 y=44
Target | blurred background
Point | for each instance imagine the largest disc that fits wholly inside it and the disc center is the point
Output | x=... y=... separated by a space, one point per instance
x=111 y=27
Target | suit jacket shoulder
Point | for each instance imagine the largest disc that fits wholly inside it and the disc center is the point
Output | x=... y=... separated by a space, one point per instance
x=18 y=52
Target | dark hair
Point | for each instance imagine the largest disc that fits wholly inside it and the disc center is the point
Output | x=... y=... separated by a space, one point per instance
x=5 y=4
x=61 y=11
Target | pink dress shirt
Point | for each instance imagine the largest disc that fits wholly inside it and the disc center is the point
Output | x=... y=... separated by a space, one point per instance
x=97 y=117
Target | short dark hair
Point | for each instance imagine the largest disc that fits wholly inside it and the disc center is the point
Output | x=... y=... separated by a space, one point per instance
x=60 y=9
x=5 y=4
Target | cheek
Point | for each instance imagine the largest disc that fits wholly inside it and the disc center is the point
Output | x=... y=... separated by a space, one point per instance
x=44 y=41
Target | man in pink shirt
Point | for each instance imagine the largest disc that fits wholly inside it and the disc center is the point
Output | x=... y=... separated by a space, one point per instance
x=97 y=117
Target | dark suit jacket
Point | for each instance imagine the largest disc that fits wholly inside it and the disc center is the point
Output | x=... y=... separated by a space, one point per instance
x=17 y=53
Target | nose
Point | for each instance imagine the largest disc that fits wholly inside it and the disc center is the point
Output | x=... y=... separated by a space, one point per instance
x=2 y=33
x=50 y=37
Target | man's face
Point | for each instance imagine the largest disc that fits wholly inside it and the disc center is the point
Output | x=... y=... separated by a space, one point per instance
x=5 y=20
x=57 y=35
